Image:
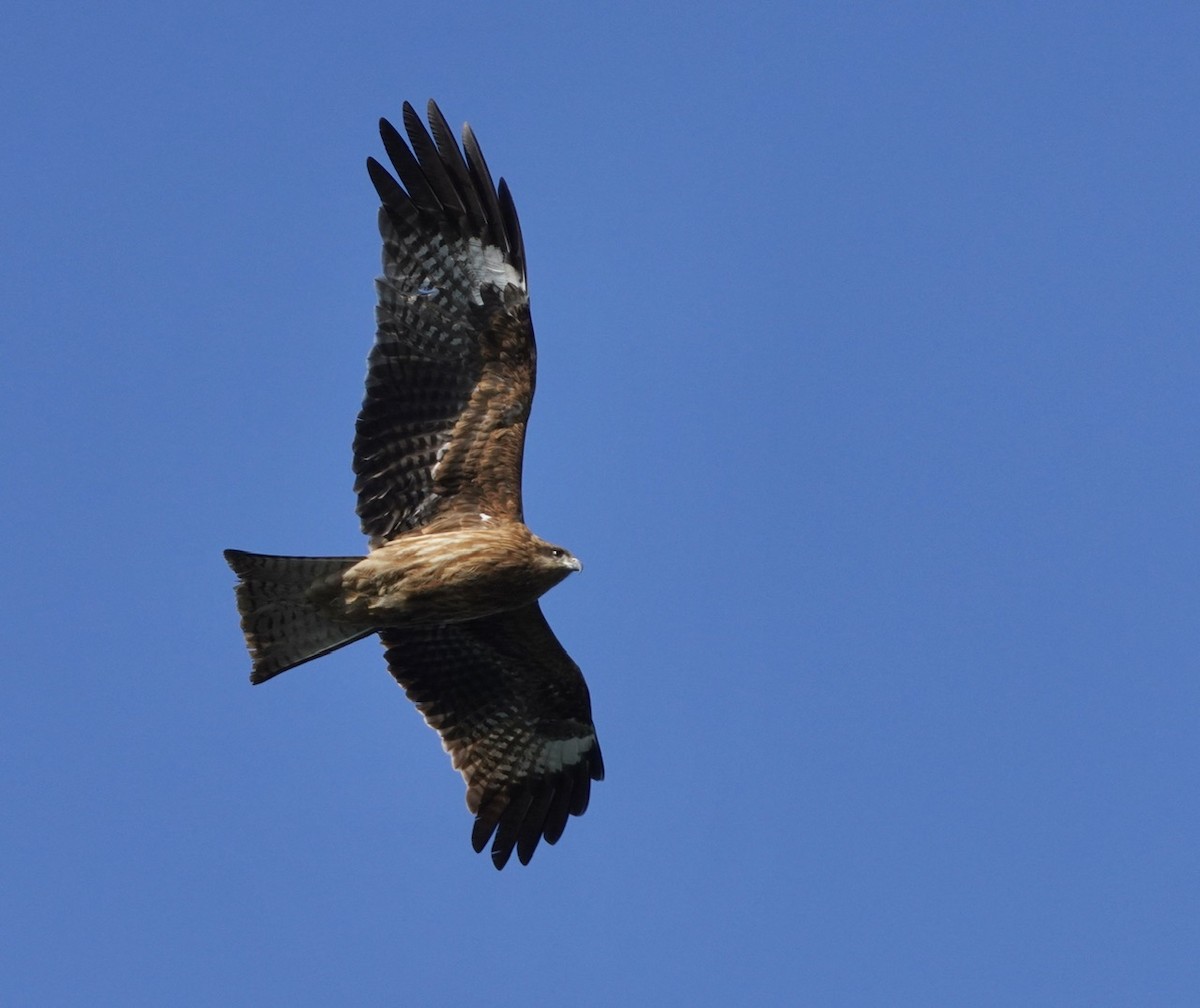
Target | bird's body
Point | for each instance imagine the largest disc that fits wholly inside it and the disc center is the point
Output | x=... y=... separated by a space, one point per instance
x=446 y=577
x=453 y=576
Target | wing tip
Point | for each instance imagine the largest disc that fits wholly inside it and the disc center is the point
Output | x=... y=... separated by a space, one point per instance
x=520 y=818
x=436 y=179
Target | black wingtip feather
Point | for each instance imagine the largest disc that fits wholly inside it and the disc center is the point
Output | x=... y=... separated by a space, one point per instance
x=481 y=178
x=431 y=163
x=437 y=178
x=509 y=830
x=456 y=167
x=520 y=819
x=390 y=193
x=411 y=175
x=512 y=225
x=532 y=829
x=481 y=832
x=581 y=789
x=557 y=814
x=596 y=761
x=539 y=810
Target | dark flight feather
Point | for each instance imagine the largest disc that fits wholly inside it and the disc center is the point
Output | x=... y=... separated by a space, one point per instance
x=514 y=714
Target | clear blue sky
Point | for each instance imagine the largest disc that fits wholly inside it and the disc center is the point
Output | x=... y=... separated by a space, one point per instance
x=870 y=349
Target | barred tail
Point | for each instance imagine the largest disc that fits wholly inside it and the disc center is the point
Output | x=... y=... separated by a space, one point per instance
x=283 y=628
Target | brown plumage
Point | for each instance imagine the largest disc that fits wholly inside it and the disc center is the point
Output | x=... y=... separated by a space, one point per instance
x=453 y=576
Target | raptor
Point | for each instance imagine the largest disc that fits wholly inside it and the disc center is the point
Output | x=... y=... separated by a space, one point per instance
x=453 y=576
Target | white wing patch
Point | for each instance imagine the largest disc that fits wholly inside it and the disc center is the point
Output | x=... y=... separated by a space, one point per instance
x=562 y=753
x=488 y=268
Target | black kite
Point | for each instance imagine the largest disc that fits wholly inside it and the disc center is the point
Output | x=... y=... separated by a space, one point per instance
x=453 y=577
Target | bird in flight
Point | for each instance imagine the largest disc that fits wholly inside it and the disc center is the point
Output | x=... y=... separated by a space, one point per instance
x=453 y=577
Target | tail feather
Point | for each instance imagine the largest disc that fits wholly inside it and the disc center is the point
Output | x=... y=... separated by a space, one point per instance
x=282 y=626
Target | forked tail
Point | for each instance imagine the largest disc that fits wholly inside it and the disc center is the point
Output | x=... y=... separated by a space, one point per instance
x=283 y=628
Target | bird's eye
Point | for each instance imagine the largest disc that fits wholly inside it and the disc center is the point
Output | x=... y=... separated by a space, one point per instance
x=556 y=552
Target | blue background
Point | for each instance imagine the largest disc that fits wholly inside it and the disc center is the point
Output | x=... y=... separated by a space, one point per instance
x=869 y=368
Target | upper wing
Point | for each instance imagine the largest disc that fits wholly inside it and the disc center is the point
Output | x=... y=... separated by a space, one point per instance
x=513 y=712
x=450 y=378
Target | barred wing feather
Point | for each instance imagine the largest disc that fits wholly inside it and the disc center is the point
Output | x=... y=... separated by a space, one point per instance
x=514 y=714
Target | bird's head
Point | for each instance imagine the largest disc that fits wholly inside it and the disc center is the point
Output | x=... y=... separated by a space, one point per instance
x=554 y=560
